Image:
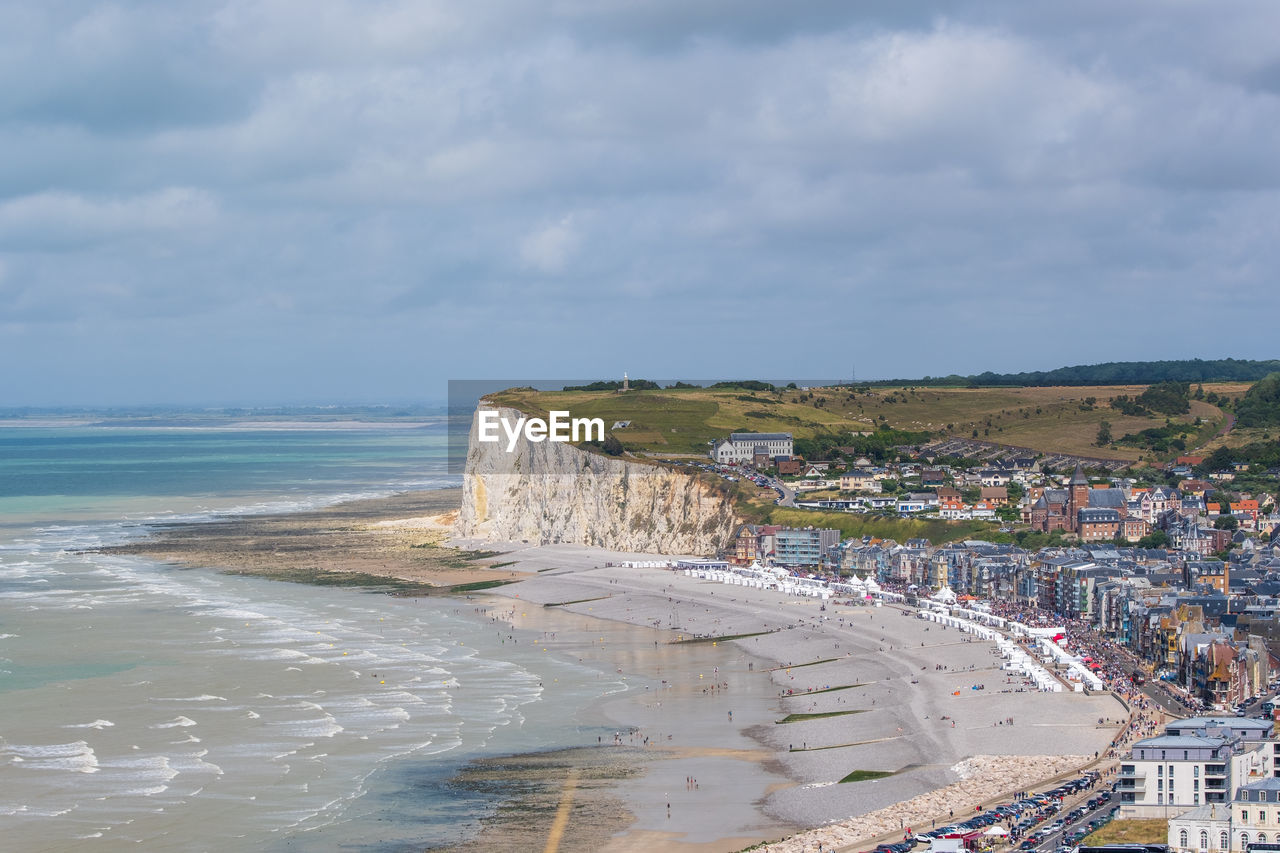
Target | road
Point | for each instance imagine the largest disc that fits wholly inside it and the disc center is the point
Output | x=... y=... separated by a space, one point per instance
x=1164 y=700
x=788 y=494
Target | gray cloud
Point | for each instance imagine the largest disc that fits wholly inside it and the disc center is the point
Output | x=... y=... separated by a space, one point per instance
x=334 y=199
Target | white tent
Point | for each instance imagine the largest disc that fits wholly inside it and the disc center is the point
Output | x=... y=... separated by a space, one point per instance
x=945 y=596
x=997 y=830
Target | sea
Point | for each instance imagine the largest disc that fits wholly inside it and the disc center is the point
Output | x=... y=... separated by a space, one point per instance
x=145 y=706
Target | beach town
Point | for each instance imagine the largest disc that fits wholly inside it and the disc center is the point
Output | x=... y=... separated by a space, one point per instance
x=890 y=719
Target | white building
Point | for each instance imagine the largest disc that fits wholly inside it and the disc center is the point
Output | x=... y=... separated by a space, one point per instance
x=1169 y=774
x=1199 y=761
x=1207 y=828
x=1255 y=814
x=745 y=446
x=1253 y=817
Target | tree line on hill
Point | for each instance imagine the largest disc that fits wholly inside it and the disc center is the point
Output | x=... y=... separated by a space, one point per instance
x=878 y=446
x=1108 y=373
x=616 y=385
x=1264 y=454
x=1260 y=406
x=1111 y=373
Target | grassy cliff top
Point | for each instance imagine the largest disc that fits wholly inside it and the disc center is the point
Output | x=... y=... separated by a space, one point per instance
x=1051 y=419
x=683 y=421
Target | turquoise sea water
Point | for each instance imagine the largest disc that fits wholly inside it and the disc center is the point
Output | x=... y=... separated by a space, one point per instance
x=156 y=708
x=110 y=473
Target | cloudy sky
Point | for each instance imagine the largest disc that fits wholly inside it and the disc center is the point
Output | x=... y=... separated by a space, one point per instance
x=259 y=201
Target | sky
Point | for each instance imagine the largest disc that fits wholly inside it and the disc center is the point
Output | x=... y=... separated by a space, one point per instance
x=257 y=202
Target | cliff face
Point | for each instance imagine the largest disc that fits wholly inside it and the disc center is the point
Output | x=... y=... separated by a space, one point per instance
x=554 y=492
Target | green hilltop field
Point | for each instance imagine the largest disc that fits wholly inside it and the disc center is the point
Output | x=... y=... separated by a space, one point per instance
x=686 y=421
x=1059 y=419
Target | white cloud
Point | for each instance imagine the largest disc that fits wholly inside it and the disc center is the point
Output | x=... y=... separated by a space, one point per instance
x=549 y=248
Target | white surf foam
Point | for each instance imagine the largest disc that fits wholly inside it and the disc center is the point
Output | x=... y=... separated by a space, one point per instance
x=143 y=776
x=77 y=757
x=96 y=724
x=174 y=723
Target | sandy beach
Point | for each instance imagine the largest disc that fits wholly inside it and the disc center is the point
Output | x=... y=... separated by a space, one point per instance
x=719 y=744
x=869 y=689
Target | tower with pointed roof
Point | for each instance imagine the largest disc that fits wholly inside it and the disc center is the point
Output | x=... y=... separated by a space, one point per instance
x=1078 y=487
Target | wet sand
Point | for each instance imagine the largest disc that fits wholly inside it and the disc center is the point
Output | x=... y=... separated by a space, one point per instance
x=673 y=722
x=398 y=539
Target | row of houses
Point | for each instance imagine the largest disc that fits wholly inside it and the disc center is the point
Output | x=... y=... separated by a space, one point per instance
x=1114 y=510
x=1094 y=512
x=776 y=545
x=1207 y=625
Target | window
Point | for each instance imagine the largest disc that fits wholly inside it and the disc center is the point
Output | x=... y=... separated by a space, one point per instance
x=1224 y=840
x=1182 y=838
x=1159 y=784
x=1244 y=817
x=1195 y=786
x=1204 y=839
x=1195 y=772
x=1184 y=755
x=1262 y=838
x=1244 y=839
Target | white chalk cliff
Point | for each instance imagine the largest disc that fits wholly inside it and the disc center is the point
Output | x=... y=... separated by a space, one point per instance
x=553 y=492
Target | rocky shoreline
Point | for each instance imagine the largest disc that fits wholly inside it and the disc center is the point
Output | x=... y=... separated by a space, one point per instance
x=396 y=544
x=985 y=776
